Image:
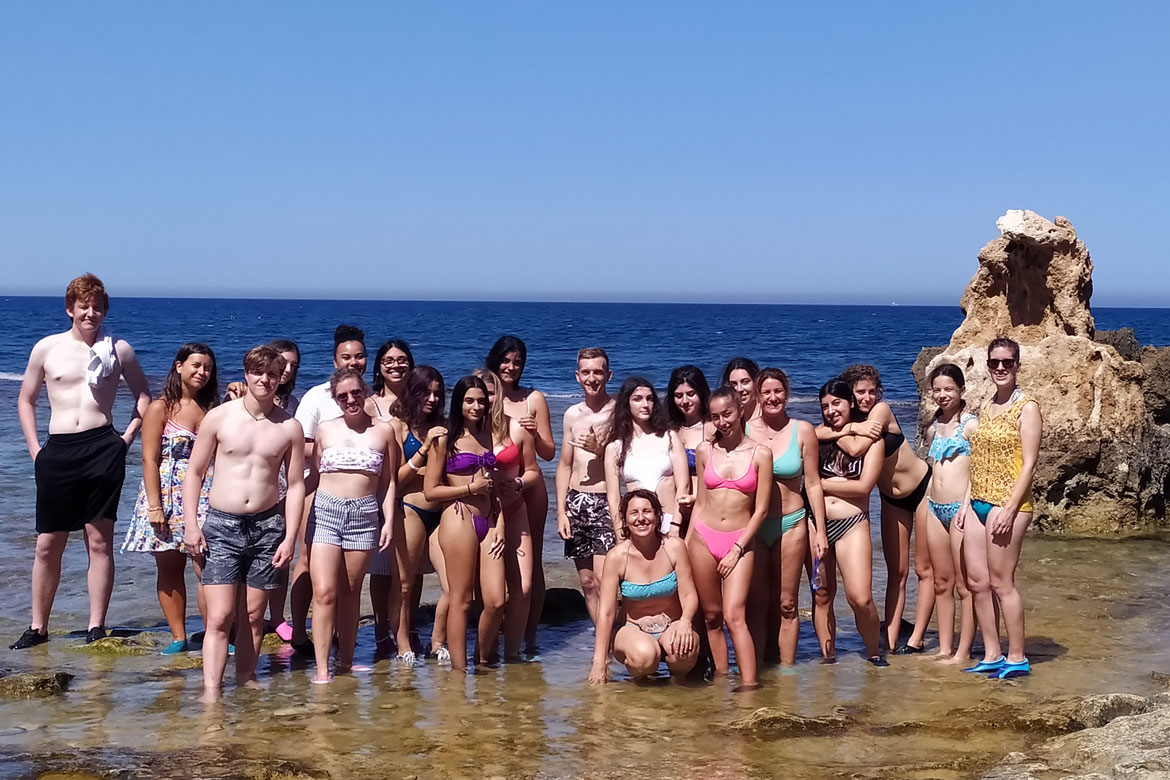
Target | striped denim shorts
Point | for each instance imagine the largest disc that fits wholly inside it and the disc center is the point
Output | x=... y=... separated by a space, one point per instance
x=348 y=523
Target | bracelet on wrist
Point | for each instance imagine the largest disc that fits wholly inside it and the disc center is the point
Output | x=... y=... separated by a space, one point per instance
x=739 y=547
x=410 y=462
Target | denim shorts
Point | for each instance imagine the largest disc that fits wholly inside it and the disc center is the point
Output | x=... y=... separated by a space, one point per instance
x=240 y=548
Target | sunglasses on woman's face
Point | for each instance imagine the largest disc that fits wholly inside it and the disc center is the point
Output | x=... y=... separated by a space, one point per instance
x=354 y=394
x=998 y=363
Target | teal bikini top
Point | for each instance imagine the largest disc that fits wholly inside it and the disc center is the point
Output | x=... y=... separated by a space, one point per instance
x=667 y=586
x=789 y=464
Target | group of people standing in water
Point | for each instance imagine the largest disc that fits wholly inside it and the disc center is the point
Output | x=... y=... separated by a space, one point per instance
x=685 y=514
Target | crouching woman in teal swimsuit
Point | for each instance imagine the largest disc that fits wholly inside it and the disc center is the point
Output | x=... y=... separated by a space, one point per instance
x=788 y=529
x=652 y=573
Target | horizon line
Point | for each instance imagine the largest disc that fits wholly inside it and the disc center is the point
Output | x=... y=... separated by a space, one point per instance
x=689 y=302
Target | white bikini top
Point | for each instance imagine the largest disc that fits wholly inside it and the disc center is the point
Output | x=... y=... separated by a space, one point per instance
x=361 y=459
x=648 y=461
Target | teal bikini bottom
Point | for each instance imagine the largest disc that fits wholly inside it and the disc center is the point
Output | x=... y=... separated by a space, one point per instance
x=982 y=509
x=776 y=526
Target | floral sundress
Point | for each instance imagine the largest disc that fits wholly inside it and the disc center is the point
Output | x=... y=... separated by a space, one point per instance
x=177 y=442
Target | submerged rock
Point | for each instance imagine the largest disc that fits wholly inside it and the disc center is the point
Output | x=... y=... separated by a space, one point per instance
x=117 y=645
x=771 y=722
x=1062 y=715
x=1104 y=462
x=25 y=685
x=563 y=605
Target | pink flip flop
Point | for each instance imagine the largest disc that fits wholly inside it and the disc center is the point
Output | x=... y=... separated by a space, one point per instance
x=284 y=631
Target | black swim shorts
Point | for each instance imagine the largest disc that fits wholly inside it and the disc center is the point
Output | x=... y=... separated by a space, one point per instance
x=79 y=479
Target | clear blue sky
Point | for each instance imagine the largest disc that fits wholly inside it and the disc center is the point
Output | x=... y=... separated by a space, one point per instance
x=788 y=152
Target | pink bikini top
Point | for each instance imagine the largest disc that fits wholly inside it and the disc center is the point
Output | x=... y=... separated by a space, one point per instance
x=744 y=484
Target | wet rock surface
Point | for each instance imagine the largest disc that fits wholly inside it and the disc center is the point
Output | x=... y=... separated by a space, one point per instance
x=772 y=722
x=1125 y=746
x=25 y=685
x=118 y=645
x=1104 y=464
x=209 y=764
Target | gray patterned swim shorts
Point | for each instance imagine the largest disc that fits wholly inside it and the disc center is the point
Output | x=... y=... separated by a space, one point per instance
x=589 y=521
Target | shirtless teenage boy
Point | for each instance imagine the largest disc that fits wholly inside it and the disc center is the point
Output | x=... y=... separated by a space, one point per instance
x=583 y=519
x=80 y=469
x=249 y=533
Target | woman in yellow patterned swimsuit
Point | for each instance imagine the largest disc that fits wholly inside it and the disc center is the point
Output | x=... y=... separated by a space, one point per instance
x=1004 y=448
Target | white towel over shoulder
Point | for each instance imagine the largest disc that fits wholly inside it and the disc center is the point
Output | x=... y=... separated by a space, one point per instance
x=102 y=359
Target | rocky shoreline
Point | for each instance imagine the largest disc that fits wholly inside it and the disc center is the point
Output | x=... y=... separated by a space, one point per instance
x=1104 y=466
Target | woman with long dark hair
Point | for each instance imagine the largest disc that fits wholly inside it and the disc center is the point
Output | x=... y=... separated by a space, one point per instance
x=514 y=471
x=847 y=482
x=285 y=392
x=392 y=364
x=286 y=399
x=687 y=399
x=527 y=406
x=740 y=375
x=471 y=532
x=902 y=485
x=950 y=453
x=418 y=421
x=170 y=424
x=734 y=488
x=643 y=452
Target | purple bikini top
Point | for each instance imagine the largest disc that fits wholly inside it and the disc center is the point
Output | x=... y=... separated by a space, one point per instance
x=467 y=462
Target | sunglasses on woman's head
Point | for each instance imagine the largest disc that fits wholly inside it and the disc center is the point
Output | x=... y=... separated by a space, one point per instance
x=996 y=363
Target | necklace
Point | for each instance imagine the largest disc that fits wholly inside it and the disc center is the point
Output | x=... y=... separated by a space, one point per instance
x=254 y=417
x=768 y=430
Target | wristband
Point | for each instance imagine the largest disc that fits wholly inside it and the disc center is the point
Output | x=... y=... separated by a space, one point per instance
x=739 y=546
x=519 y=484
x=676 y=525
x=410 y=462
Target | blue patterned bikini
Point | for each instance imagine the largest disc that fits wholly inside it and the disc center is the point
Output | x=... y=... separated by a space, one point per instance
x=942 y=448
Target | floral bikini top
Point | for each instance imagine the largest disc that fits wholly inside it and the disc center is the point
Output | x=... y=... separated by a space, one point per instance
x=943 y=447
x=360 y=459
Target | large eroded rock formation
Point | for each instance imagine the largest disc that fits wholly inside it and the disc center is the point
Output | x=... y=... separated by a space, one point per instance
x=1104 y=460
